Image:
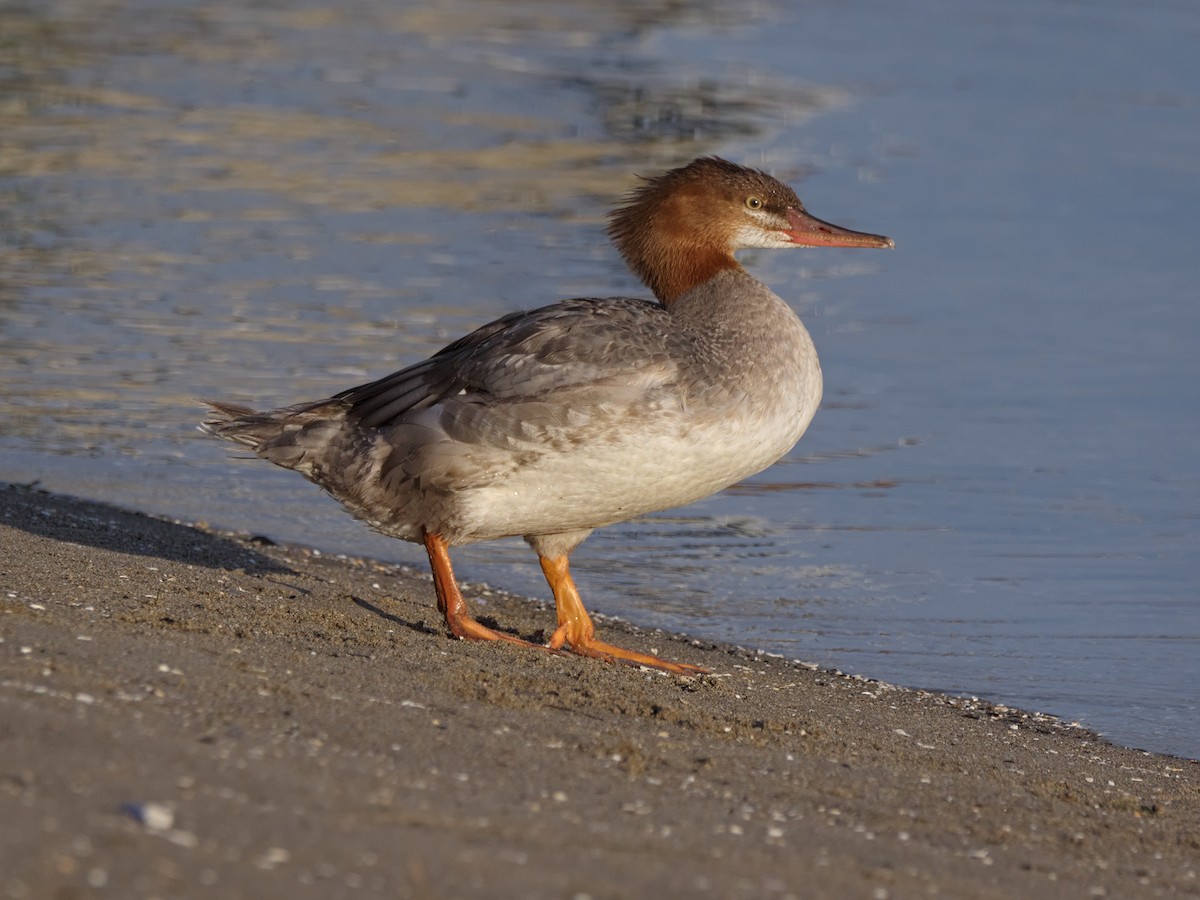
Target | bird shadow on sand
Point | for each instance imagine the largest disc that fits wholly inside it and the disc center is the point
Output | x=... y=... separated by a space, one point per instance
x=107 y=527
x=423 y=626
x=418 y=625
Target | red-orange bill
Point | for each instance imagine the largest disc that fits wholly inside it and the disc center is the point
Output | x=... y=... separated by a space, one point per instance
x=809 y=231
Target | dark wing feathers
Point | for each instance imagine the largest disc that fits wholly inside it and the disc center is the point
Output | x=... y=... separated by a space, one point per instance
x=526 y=355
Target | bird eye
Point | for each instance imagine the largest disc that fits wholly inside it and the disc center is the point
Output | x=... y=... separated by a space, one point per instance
x=753 y=203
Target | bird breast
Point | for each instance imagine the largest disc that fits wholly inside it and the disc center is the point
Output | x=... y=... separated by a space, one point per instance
x=736 y=401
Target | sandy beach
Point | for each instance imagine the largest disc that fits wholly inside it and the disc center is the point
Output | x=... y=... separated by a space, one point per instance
x=185 y=713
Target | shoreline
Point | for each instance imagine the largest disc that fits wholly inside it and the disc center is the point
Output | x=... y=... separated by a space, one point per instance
x=184 y=710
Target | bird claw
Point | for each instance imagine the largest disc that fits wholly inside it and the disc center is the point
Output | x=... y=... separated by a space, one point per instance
x=610 y=653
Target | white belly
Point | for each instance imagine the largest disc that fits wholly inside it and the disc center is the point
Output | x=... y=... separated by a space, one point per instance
x=643 y=471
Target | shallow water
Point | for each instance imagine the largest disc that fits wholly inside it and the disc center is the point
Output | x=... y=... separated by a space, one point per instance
x=1000 y=495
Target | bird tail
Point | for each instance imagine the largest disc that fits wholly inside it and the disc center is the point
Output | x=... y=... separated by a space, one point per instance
x=239 y=424
x=295 y=437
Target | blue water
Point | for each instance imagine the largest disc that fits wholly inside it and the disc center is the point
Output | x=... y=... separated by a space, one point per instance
x=1000 y=495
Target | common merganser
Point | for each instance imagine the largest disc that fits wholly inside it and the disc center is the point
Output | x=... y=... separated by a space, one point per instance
x=553 y=422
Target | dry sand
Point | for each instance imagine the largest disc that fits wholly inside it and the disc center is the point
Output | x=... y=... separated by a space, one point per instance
x=188 y=714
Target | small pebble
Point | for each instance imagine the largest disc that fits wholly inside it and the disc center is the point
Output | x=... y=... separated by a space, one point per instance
x=155 y=816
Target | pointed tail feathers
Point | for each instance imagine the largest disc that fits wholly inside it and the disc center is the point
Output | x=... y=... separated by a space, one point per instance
x=241 y=424
x=296 y=437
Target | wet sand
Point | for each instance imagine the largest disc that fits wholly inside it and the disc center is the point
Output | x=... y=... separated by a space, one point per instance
x=184 y=713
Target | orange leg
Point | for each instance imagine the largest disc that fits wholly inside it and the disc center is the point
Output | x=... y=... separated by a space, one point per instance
x=450 y=599
x=575 y=628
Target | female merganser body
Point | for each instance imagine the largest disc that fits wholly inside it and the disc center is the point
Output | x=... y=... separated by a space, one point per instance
x=553 y=422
